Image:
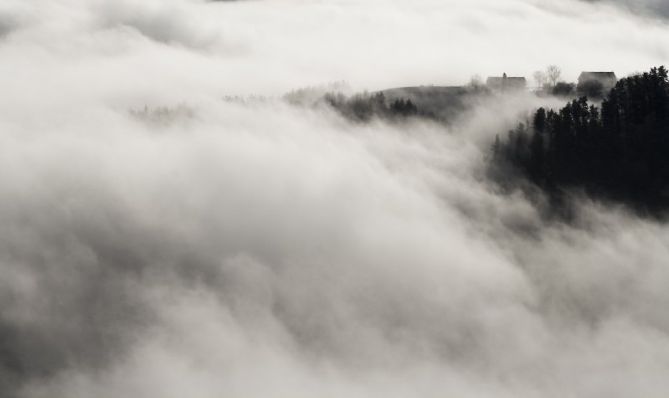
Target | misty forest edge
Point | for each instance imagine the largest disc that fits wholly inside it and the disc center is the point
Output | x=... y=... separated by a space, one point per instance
x=610 y=141
x=616 y=151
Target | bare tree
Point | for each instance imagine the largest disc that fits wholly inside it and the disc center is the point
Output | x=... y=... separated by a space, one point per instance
x=553 y=74
x=476 y=81
x=539 y=78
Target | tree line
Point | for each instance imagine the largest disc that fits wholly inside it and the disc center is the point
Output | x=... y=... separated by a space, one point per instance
x=618 y=151
x=365 y=107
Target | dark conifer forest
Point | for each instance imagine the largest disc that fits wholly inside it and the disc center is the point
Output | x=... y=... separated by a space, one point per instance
x=616 y=151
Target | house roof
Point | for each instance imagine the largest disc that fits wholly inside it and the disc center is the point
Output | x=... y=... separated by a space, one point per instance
x=495 y=79
x=497 y=82
x=597 y=75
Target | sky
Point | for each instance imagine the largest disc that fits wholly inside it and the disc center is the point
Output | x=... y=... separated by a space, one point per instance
x=259 y=249
x=269 y=47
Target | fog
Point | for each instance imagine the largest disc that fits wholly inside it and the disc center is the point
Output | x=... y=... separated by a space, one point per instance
x=258 y=249
x=652 y=8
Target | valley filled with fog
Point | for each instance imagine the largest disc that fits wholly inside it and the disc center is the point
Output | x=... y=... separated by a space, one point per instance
x=185 y=216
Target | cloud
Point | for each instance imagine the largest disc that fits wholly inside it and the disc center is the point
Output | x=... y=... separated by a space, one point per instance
x=165 y=23
x=268 y=250
x=273 y=47
x=650 y=7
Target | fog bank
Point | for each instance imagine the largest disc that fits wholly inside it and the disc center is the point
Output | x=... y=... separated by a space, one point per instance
x=260 y=249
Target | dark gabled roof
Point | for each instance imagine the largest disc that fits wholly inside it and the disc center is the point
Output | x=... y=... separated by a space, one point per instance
x=502 y=82
x=597 y=75
x=501 y=79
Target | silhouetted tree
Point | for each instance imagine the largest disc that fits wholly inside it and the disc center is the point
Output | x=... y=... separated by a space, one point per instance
x=401 y=107
x=537 y=146
x=539 y=78
x=553 y=74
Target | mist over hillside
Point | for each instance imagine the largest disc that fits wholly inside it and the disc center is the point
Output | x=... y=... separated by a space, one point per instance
x=192 y=208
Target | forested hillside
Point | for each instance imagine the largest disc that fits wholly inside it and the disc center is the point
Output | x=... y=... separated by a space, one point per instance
x=618 y=151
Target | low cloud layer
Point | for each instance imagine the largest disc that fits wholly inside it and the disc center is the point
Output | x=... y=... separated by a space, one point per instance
x=648 y=7
x=265 y=250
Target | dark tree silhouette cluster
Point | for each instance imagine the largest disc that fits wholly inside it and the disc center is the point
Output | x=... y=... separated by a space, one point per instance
x=365 y=107
x=619 y=151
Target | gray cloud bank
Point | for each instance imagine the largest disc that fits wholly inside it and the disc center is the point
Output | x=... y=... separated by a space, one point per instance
x=649 y=7
x=263 y=250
